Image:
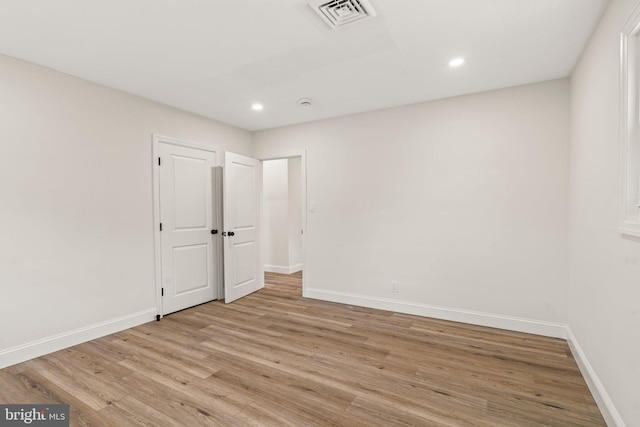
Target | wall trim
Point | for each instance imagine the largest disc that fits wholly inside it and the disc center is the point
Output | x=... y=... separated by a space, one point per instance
x=283 y=269
x=629 y=146
x=24 y=352
x=605 y=404
x=529 y=326
x=54 y=343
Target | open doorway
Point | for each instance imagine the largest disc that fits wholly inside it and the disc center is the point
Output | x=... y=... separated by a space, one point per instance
x=282 y=204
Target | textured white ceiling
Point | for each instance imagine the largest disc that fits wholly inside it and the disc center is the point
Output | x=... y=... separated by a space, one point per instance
x=217 y=57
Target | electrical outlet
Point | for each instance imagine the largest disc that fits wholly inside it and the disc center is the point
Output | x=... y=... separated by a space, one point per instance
x=394 y=286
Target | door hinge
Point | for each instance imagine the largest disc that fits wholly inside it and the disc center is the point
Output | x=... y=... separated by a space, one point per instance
x=159 y=162
x=161 y=292
x=160 y=226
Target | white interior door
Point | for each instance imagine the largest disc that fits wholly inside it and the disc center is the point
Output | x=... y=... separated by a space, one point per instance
x=243 y=269
x=187 y=215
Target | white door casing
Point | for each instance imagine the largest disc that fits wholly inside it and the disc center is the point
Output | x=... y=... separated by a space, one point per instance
x=187 y=212
x=243 y=269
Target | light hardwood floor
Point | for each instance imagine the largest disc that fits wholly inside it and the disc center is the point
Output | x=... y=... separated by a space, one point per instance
x=275 y=359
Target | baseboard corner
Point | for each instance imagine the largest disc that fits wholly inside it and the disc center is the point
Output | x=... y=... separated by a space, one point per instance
x=282 y=269
x=605 y=404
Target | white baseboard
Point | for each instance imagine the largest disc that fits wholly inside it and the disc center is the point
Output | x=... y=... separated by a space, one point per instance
x=548 y=329
x=44 y=346
x=283 y=269
x=600 y=395
x=21 y=353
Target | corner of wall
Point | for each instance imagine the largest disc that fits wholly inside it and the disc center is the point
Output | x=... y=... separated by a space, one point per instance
x=600 y=395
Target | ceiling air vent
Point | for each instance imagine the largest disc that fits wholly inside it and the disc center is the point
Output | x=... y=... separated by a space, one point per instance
x=338 y=13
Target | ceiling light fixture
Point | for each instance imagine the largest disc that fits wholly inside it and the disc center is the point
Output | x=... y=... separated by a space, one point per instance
x=257 y=107
x=456 y=62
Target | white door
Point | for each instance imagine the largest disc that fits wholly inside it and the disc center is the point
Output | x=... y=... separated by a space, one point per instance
x=188 y=248
x=243 y=269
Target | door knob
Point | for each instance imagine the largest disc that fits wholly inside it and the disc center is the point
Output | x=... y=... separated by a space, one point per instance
x=231 y=234
x=214 y=231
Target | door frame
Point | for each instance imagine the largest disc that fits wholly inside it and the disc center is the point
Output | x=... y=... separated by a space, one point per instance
x=156 y=140
x=279 y=155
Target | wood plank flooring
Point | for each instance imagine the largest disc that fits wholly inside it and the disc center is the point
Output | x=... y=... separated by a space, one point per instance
x=276 y=359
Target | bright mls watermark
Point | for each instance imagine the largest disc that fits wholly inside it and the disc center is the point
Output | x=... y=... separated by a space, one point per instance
x=34 y=415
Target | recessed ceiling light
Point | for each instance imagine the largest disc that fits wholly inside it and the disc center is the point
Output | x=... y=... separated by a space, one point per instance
x=257 y=107
x=456 y=62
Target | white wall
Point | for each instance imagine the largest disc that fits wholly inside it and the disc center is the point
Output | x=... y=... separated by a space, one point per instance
x=604 y=292
x=76 y=235
x=462 y=201
x=282 y=210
